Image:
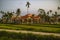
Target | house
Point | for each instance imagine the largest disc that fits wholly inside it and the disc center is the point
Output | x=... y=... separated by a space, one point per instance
x=36 y=19
x=29 y=18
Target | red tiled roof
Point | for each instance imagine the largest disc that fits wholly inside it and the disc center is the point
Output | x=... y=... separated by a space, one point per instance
x=26 y=16
x=36 y=17
x=29 y=15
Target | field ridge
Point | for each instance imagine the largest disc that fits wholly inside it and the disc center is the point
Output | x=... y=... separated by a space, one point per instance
x=38 y=33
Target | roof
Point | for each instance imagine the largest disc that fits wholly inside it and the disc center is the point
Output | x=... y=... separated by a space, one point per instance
x=36 y=17
x=26 y=16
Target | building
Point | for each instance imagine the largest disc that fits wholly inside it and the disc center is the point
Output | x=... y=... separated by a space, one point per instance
x=29 y=19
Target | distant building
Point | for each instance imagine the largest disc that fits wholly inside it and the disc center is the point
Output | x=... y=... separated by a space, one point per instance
x=29 y=18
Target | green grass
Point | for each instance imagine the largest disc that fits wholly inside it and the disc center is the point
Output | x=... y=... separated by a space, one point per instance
x=55 y=28
x=21 y=36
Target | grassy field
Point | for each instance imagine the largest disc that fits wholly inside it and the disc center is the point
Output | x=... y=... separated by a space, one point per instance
x=54 y=28
x=21 y=36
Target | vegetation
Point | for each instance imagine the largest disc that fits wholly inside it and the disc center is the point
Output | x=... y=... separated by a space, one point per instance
x=21 y=36
x=27 y=5
x=55 y=28
x=18 y=12
x=42 y=22
x=44 y=17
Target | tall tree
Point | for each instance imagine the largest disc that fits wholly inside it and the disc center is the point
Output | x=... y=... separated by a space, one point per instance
x=58 y=8
x=33 y=15
x=3 y=16
x=42 y=14
x=50 y=11
x=48 y=17
x=2 y=12
x=9 y=16
x=56 y=20
x=6 y=16
x=27 y=5
x=18 y=12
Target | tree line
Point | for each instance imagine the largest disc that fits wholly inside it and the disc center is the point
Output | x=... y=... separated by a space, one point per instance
x=44 y=17
x=6 y=16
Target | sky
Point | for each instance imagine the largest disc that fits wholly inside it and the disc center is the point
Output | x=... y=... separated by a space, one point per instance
x=13 y=5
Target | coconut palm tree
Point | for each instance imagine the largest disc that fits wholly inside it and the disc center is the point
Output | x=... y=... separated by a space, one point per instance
x=18 y=12
x=3 y=16
x=9 y=16
x=56 y=17
x=33 y=18
x=6 y=16
x=2 y=12
x=42 y=14
x=50 y=11
x=58 y=8
x=27 y=5
x=48 y=17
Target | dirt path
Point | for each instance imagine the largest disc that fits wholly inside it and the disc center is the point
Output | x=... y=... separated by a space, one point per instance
x=38 y=33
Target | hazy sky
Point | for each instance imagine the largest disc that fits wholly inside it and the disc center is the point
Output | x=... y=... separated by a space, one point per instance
x=12 y=5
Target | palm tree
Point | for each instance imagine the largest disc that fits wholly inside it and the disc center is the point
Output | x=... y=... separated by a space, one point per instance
x=27 y=5
x=7 y=16
x=3 y=16
x=42 y=14
x=10 y=16
x=56 y=17
x=58 y=8
x=48 y=17
x=50 y=11
x=2 y=12
x=18 y=12
x=33 y=18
